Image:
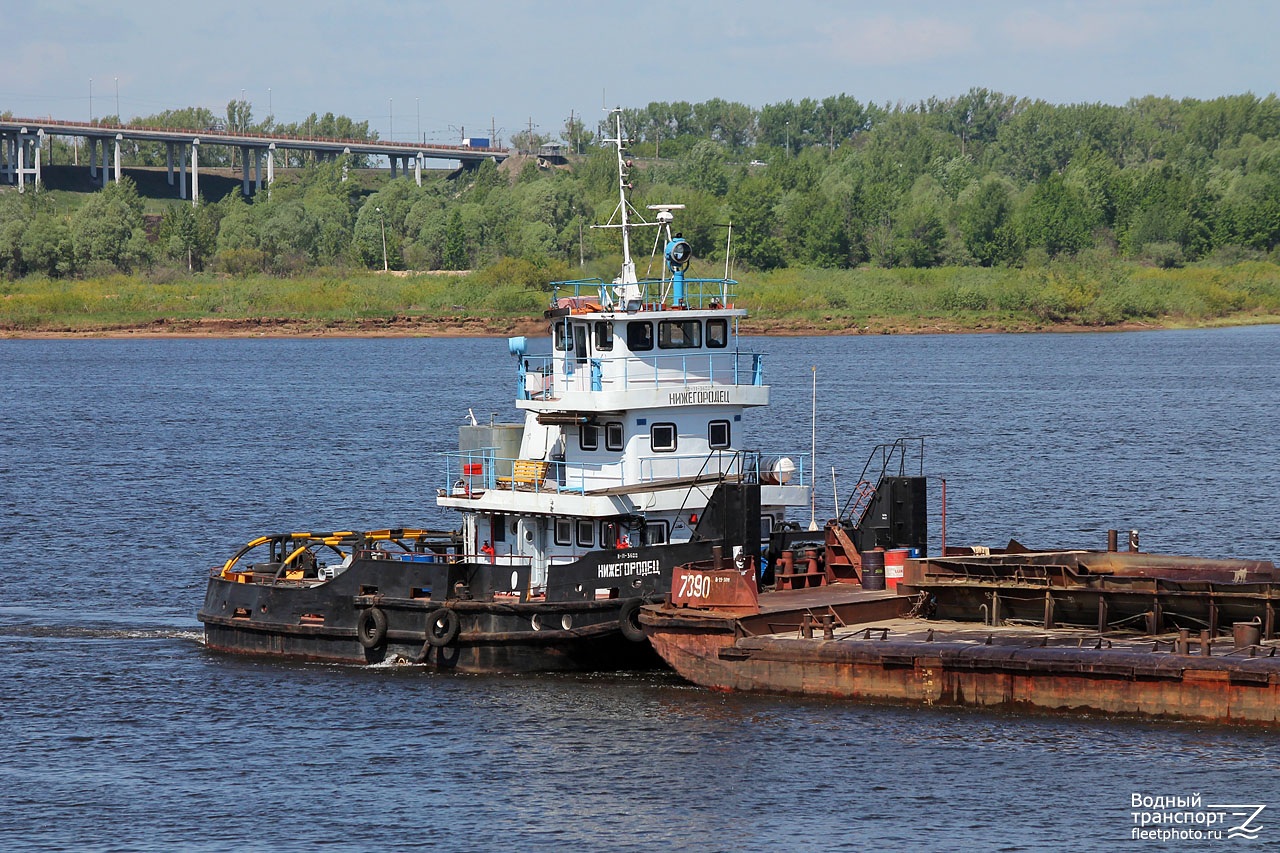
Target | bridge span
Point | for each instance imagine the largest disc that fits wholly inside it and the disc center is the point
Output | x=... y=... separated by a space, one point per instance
x=21 y=140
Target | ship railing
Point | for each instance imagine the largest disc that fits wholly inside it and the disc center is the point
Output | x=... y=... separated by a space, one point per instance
x=470 y=473
x=539 y=379
x=656 y=294
x=790 y=469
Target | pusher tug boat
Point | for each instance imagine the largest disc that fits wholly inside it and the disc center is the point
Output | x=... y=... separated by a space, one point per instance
x=859 y=611
x=628 y=463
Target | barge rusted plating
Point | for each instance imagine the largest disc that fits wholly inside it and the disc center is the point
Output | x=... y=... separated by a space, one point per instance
x=1094 y=632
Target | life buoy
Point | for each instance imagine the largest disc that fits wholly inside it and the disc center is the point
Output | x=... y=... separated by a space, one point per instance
x=629 y=619
x=442 y=627
x=371 y=628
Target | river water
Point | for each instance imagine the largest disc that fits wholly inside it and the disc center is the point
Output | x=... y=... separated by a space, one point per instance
x=127 y=468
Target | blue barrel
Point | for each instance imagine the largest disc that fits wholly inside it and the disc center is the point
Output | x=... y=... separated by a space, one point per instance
x=872 y=570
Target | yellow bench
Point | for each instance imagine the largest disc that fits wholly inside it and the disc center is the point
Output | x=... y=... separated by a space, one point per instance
x=525 y=472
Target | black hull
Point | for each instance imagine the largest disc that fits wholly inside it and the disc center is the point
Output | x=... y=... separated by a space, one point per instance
x=468 y=616
x=550 y=651
x=324 y=623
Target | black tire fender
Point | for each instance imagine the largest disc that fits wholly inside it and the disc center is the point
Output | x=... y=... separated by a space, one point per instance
x=629 y=620
x=371 y=628
x=443 y=626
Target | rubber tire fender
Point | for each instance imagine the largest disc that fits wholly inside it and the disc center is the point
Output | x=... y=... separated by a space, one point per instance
x=629 y=621
x=371 y=628
x=443 y=626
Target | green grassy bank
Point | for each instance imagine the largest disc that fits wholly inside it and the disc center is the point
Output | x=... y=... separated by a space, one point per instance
x=502 y=298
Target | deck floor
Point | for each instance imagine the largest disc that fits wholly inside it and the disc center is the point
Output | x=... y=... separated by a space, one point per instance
x=832 y=595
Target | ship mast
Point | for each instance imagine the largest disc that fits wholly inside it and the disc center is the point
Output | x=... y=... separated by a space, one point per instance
x=628 y=264
x=626 y=287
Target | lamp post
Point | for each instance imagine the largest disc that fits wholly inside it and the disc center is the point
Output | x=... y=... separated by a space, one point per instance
x=382 y=220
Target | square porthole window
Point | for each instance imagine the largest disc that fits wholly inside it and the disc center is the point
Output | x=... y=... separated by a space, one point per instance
x=639 y=336
x=613 y=435
x=718 y=435
x=589 y=437
x=604 y=335
x=655 y=533
x=586 y=533
x=662 y=438
x=718 y=333
x=564 y=531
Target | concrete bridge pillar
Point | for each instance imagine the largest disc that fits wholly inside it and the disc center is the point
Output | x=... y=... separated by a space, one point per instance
x=244 y=171
x=417 y=168
x=168 y=161
x=22 y=156
x=271 y=167
x=195 y=172
x=39 y=143
x=393 y=158
x=182 y=171
x=93 y=154
x=106 y=171
x=118 y=140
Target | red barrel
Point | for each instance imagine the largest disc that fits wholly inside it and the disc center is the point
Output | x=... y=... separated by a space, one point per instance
x=894 y=561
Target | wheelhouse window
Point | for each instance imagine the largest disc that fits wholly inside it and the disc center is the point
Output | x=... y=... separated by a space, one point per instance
x=655 y=533
x=563 y=340
x=580 y=342
x=564 y=531
x=679 y=334
x=718 y=435
x=604 y=335
x=613 y=435
x=718 y=333
x=586 y=533
x=639 y=335
x=662 y=438
x=589 y=437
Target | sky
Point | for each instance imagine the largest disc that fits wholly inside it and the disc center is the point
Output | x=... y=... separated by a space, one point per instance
x=440 y=71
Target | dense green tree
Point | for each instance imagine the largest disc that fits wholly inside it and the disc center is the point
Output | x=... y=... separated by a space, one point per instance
x=755 y=224
x=985 y=215
x=454 y=253
x=47 y=247
x=188 y=234
x=1058 y=218
x=704 y=168
x=108 y=229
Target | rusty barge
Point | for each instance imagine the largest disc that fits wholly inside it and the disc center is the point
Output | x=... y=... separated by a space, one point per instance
x=1106 y=632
